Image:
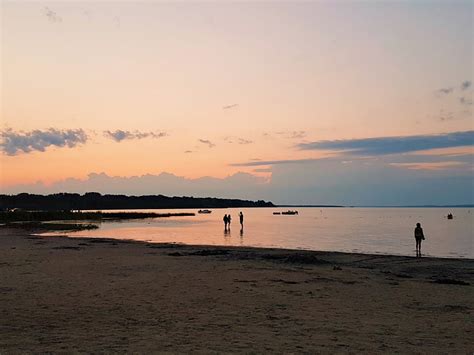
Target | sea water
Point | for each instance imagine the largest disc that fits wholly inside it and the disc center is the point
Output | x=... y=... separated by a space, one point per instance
x=361 y=230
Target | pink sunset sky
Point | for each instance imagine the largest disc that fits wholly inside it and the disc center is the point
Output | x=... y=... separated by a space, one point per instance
x=296 y=102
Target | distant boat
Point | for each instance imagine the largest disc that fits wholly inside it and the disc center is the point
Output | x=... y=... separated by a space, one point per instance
x=276 y=212
x=204 y=211
x=290 y=212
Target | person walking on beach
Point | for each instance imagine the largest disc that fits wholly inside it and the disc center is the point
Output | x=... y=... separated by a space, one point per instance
x=241 y=217
x=229 y=218
x=419 y=236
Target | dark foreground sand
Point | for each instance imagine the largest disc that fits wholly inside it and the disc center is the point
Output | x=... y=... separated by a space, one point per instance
x=80 y=295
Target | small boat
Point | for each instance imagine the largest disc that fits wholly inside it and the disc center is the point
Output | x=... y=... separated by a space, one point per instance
x=276 y=212
x=290 y=212
x=449 y=216
x=204 y=211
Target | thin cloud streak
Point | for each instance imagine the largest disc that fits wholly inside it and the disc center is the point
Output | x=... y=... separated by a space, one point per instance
x=465 y=85
x=446 y=116
x=237 y=140
x=292 y=134
x=207 y=142
x=263 y=170
x=13 y=142
x=228 y=107
x=445 y=91
x=442 y=165
x=244 y=141
x=393 y=145
x=278 y=162
x=120 y=135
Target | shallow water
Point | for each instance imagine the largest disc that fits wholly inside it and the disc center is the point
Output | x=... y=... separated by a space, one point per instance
x=364 y=230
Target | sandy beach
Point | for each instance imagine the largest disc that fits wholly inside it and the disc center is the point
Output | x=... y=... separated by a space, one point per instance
x=61 y=294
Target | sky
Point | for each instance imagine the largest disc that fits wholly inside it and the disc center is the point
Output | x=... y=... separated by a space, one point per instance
x=328 y=102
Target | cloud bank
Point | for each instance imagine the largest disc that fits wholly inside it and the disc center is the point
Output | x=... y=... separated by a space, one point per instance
x=14 y=142
x=393 y=145
x=408 y=181
x=239 y=185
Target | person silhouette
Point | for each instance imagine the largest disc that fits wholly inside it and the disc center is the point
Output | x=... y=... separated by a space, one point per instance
x=419 y=236
x=241 y=217
x=229 y=218
x=226 y=220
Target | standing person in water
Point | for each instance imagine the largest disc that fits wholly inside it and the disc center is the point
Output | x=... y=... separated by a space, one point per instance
x=225 y=219
x=241 y=217
x=419 y=236
x=229 y=218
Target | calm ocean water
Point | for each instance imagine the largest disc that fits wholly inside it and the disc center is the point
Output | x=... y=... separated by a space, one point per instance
x=363 y=230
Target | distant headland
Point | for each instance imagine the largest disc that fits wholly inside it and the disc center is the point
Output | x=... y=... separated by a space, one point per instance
x=97 y=201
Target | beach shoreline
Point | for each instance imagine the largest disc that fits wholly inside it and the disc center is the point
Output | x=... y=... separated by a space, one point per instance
x=256 y=249
x=61 y=294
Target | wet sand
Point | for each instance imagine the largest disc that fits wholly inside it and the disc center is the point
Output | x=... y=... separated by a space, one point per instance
x=84 y=295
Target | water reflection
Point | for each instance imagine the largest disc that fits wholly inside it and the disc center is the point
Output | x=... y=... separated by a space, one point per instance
x=368 y=230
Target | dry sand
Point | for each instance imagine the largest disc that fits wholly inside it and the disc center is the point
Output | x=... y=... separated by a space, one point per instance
x=82 y=295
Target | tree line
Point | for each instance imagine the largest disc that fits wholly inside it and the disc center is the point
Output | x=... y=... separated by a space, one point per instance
x=97 y=201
